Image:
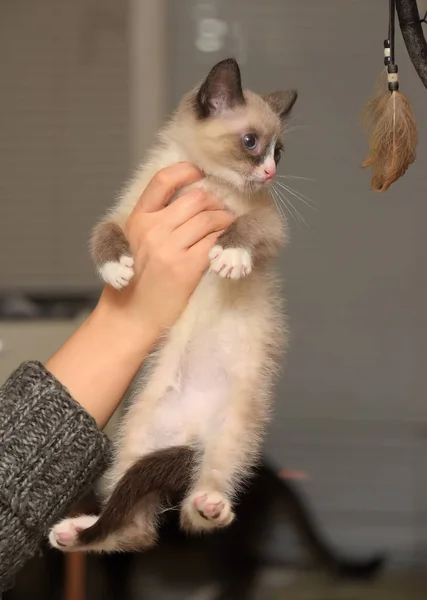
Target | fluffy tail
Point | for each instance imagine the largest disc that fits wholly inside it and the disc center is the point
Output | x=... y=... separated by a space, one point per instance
x=317 y=546
x=165 y=471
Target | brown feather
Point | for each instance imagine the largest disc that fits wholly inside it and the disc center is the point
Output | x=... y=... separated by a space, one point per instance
x=393 y=140
x=372 y=108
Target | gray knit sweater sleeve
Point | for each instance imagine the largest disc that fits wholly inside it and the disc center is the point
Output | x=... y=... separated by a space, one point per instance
x=50 y=452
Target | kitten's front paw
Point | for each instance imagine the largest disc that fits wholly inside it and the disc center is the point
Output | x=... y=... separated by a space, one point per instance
x=207 y=510
x=232 y=263
x=117 y=273
x=64 y=535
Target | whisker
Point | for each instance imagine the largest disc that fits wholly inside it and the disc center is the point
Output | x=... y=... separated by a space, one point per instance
x=304 y=199
x=294 y=128
x=277 y=203
x=295 y=177
x=273 y=195
x=291 y=206
x=299 y=215
x=289 y=120
x=168 y=508
x=310 y=203
x=285 y=203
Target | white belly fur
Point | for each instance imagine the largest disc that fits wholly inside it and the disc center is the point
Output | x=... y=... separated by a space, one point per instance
x=219 y=337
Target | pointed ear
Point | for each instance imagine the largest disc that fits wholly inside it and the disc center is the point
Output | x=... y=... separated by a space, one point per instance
x=282 y=102
x=221 y=90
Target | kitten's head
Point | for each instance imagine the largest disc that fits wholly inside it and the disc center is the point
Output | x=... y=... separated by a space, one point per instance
x=238 y=134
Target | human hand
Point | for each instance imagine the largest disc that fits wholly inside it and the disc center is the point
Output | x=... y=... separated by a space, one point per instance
x=170 y=246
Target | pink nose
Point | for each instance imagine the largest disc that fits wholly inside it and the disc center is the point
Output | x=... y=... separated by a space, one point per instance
x=269 y=173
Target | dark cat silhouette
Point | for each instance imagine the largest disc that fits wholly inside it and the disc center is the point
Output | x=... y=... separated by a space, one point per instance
x=233 y=554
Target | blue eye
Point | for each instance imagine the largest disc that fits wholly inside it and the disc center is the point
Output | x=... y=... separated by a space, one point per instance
x=250 y=141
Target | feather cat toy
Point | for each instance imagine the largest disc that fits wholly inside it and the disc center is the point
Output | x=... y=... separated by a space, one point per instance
x=390 y=122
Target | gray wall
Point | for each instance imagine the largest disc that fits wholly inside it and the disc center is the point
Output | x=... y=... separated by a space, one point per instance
x=64 y=142
x=352 y=409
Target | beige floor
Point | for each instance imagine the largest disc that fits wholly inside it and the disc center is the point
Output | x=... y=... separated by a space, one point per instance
x=317 y=587
x=281 y=585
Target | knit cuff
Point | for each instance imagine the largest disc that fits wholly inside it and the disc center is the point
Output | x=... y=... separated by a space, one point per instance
x=17 y=546
x=50 y=448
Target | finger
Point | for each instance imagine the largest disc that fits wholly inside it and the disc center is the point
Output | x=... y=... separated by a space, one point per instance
x=201 y=225
x=189 y=205
x=164 y=184
x=199 y=252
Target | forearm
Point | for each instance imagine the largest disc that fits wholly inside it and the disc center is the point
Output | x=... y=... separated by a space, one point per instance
x=99 y=361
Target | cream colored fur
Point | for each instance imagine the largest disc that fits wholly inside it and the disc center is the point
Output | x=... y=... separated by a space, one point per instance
x=210 y=382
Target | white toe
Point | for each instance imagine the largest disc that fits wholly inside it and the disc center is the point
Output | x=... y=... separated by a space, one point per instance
x=64 y=535
x=117 y=274
x=231 y=263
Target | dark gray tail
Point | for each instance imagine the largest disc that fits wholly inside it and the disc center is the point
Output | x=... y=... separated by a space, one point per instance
x=165 y=471
x=325 y=555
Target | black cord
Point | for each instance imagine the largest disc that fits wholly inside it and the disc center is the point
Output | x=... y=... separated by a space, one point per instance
x=393 y=83
x=392 y=29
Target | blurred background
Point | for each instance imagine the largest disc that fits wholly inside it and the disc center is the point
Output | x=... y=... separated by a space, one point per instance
x=84 y=87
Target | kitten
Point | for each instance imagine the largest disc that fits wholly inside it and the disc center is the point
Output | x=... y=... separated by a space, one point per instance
x=197 y=424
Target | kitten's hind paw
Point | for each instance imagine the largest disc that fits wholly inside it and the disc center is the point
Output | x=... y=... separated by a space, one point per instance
x=64 y=535
x=206 y=510
x=232 y=263
x=117 y=273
